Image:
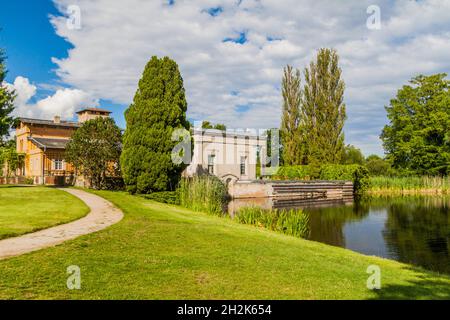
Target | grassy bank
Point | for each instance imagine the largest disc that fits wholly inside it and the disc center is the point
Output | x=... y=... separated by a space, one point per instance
x=160 y=251
x=410 y=185
x=27 y=209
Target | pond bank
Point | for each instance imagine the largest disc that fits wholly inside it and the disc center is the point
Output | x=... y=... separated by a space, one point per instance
x=161 y=251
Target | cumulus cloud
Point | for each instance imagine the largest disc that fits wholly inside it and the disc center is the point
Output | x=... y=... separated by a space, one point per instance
x=64 y=102
x=231 y=53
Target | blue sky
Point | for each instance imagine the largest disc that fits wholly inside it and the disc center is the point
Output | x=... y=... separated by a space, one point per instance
x=230 y=53
x=30 y=42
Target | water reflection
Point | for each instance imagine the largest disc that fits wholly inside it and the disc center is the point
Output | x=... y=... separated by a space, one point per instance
x=410 y=229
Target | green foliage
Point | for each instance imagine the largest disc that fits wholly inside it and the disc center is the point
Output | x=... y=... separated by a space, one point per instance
x=10 y=160
x=294 y=173
x=159 y=107
x=313 y=117
x=94 y=150
x=290 y=131
x=417 y=138
x=355 y=173
x=377 y=166
x=209 y=125
x=6 y=103
x=352 y=155
x=323 y=109
x=291 y=222
x=170 y=197
x=203 y=193
x=411 y=184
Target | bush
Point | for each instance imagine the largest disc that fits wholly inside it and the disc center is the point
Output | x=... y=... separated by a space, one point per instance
x=291 y=222
x=358 y=174
x=170 y=197
x=203 y=193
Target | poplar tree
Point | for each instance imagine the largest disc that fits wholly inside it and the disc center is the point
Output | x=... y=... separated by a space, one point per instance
x=290 y=131
x=159 y=107
x=323 y=109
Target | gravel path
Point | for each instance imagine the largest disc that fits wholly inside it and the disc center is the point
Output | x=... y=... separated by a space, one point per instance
x=102 y=215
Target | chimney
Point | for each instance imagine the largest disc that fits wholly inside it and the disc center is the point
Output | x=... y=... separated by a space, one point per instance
x=57 y=119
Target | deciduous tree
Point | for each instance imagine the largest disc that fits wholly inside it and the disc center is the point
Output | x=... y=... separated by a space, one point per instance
x=95 y=149
x=417 y=138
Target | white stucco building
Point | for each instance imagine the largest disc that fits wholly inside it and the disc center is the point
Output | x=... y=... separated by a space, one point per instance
x=230 y=155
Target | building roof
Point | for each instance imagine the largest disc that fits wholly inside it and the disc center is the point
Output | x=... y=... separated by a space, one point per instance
x=49 y=143
x=94 y=110
x=229 y=133
x=62 y=123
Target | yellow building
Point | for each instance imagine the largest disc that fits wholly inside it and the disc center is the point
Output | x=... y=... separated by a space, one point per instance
x=44 y=142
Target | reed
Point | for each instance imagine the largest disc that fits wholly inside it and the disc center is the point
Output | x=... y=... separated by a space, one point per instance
x=291 y=222
x=203 y=193
x=410 y=185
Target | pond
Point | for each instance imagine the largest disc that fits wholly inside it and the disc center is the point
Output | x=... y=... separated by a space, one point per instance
x=413 y=230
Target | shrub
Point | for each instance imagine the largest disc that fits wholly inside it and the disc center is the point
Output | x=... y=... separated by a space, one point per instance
x=170 y=197
x=203 y=193
x=291 y=222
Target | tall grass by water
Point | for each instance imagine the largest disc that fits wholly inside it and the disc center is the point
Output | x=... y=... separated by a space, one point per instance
x=410 y=185
x=291 y=222
x=203 y=193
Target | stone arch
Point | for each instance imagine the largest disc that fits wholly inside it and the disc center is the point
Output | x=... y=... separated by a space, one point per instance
x=229 y=178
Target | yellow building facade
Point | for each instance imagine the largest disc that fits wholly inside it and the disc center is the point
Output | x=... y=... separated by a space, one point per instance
x=44 y=142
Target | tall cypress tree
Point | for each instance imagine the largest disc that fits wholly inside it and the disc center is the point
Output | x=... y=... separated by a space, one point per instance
x=6 y=103
x=290 y=135
x=159 y=107
x=323 y=109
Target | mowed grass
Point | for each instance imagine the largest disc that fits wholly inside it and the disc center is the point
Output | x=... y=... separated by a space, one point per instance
x=161 y=251
x=28 y=209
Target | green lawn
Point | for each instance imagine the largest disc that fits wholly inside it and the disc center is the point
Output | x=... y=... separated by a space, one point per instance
x=27 y=209
x=164 y=252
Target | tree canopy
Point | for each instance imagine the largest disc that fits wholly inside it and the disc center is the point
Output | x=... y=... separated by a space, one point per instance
x=217 y=126
x=417 y=138
x=352 y=155
x=290 y=134
x=159 y=107
x=313 y=116
x=6 y=103
x=94 y=150
x=378 y=166
x=323 y=108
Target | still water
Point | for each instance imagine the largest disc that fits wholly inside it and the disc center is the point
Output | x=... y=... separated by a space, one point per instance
x=414 y=230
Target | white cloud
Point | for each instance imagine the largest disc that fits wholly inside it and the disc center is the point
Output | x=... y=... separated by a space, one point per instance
x=117 y=38
x=64 y=102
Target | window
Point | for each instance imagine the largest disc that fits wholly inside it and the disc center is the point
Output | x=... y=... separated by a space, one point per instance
x=58 y=164
x=243 y=165
x=211 y=158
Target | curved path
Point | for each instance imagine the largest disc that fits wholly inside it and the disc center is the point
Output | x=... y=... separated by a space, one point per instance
x=102 y=215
